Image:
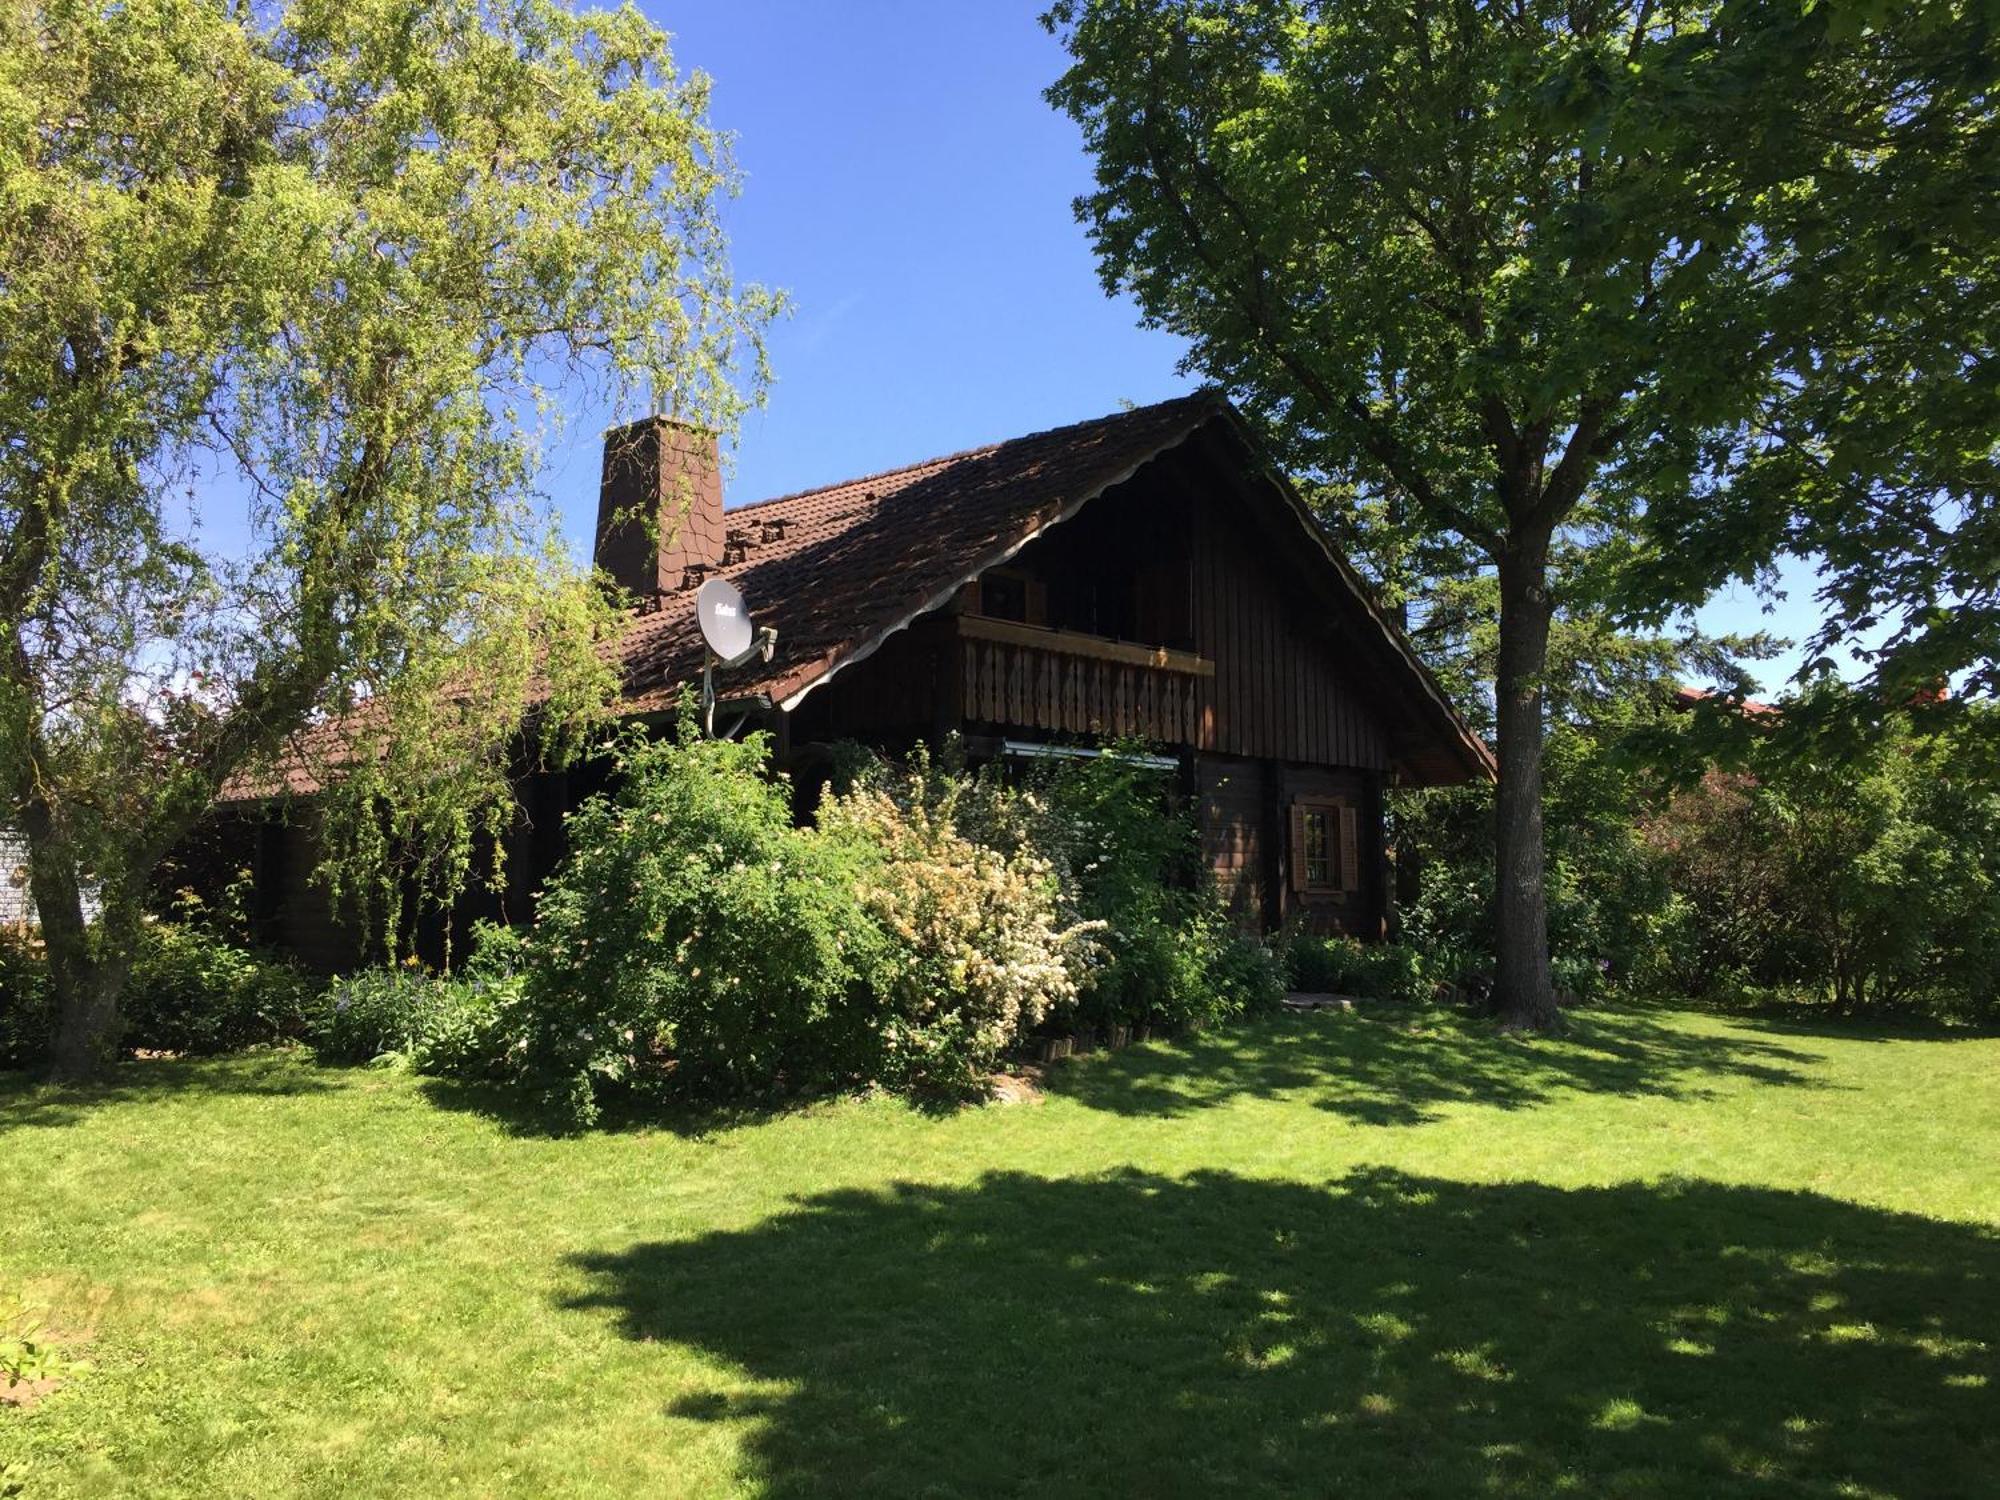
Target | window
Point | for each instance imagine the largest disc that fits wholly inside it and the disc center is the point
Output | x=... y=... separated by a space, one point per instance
x=1325 y=852
x=1005 y=594
x=1319 y=848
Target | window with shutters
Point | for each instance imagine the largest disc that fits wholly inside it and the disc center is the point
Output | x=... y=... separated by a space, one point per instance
x=1324 y=846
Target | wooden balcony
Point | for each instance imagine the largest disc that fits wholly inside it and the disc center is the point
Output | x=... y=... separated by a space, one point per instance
x=1067 y=683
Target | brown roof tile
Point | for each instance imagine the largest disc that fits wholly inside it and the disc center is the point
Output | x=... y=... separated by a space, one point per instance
x=859 y=559
x=838 y=569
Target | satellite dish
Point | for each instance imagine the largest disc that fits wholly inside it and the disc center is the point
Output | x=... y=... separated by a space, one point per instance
x=725 y=619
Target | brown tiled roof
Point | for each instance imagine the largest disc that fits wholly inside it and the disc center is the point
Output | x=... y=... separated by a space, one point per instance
x=837 y=570
x=861 y=558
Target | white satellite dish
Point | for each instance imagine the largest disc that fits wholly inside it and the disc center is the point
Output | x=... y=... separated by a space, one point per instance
x=725 y=619
x=731 y=639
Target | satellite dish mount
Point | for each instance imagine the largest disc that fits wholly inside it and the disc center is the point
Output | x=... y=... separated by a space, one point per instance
x=730 y=638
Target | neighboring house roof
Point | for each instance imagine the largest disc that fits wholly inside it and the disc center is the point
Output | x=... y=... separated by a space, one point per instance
x=859 y=560
x=838 y=570
x=1689 y=697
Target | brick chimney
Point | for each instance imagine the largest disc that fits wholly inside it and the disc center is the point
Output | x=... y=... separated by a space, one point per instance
x=665 y=474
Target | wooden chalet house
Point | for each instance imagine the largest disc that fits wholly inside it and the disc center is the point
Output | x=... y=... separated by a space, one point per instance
x=1147 y=575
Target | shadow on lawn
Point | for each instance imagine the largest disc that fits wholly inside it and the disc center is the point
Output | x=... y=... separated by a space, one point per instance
x=1385 y=1335
x=28 y=1099
x=520 y=1113
x=1398 y=1067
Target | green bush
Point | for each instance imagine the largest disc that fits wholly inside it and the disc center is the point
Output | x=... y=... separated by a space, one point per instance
x=1863 y=867
x=192 y=992
x=695 y=943
x=1129 y=854
x=188 y=992
x=474 y=1015
x=375 y=1013
x=1229 y=973
x=27 y=1004
x=1345 y=966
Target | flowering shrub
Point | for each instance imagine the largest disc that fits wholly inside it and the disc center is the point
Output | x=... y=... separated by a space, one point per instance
x=977 y=949
x=695 y=942
x=375 y=1013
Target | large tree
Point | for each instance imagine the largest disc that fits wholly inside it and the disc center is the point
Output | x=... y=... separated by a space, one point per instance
x=1522 y=272
x=285 y=293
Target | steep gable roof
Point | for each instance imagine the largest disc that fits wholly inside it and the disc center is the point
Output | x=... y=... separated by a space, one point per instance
x=859 y=560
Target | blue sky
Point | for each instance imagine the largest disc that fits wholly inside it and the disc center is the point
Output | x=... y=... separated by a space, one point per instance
x=905 y=182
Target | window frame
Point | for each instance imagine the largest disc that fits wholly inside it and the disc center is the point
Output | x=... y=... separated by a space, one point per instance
x=1343 y=846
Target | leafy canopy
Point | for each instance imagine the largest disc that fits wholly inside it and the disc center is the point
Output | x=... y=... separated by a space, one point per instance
x=289 y=294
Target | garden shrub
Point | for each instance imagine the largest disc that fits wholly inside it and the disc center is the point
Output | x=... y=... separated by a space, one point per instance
x=1867 y=874
x=475 y=1015
x=375 y=1013
x=1235 y=973
x=456 y=1025
x=1124 y=860
x=1132 y=859
x=1343 y=965
x=189 y=991
x=695 y=943
x=193 y=992
x=976 y=949
x=27 y=1003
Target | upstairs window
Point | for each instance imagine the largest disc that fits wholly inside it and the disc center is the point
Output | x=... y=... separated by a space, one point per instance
x=1005 y=594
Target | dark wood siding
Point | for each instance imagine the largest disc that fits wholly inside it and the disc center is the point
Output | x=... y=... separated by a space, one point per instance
x=1237 y=834
x=1280 y=689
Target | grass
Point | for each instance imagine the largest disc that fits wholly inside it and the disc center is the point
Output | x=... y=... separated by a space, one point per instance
x=1669 y=1254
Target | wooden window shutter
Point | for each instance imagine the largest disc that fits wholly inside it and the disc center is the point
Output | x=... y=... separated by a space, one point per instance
x=1038 y=602
x=1296 y=850
x=1350 y=849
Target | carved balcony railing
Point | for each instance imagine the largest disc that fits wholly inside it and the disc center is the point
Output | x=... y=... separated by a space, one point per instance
x=1068 y=683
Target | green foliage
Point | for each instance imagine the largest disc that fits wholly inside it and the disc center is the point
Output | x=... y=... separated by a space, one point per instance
x=1586 y=303
x=1863 y=871
x=449 y=1025
x=189 y=992
x=192 y=992
x=373 y=1014
x=1169 y=954
x=350 y=256
x=1372 y=971
x=975 y=948
x=695 y=943
x=27 y=1002
x=27 y=1357
x=1233 y=973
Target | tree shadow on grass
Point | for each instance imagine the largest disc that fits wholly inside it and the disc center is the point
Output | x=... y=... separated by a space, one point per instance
x=1383 y=1335
x=26 y=1099
x=1391 y=1066
x=519 y=1112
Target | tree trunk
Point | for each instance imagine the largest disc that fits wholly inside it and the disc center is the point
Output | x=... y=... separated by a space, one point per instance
x=87 y=968
x=1523 y=993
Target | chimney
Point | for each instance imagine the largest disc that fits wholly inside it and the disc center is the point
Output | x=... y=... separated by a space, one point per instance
x=659 y=507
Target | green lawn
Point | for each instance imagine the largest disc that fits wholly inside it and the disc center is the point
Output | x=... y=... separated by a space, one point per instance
x=1669 y=1255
